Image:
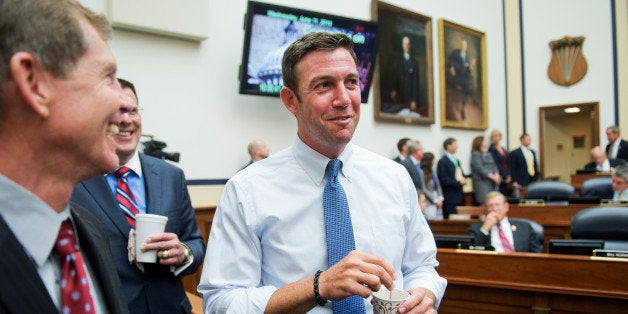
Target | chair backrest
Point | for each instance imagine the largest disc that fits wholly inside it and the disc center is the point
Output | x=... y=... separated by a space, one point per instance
x=597 y=187
x=536 y=227
x=601 y=222
x=549 y=191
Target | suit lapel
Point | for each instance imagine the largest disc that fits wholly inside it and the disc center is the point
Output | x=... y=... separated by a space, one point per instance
x=153 y=186
x=21 y=290
x=98 y=188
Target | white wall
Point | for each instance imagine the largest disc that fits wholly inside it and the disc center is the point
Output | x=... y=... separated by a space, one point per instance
x=544 y=21
x=190 y=90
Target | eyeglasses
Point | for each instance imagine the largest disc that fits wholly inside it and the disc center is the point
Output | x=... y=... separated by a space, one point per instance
x=133 y=112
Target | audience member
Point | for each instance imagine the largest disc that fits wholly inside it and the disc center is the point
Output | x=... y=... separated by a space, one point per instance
x=402 y=146
x=59 y=102
x=451 y=178
x=257 y=150
x=620 y=183
x=600 y=162
x=431 y=187
x=411 y=163
x=500 y=156
x=616 y=148
x=502 y=234
x=484 y=172
x=273 y=227
x=157 y=187
x=522 y=163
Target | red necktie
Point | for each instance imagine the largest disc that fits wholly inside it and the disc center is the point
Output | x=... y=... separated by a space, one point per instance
x=75 y=296
x=505 y=243
x=125 y=197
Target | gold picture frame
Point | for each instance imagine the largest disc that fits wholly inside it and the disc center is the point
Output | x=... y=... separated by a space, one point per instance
x=403 y=85
x=463 y=77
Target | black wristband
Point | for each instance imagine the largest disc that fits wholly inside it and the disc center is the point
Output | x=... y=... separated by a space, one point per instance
x=317 y=295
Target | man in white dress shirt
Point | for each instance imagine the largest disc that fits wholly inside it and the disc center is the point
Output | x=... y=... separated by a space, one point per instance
x=620 y=183
x=268 y=236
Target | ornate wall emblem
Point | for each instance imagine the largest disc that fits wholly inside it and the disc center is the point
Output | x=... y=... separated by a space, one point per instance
x=568 y=65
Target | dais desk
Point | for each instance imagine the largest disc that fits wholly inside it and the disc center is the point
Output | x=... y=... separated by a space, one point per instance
x=531 y=283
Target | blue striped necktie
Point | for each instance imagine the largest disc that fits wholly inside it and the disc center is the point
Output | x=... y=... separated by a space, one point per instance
x=339 y=232
x=125 y=197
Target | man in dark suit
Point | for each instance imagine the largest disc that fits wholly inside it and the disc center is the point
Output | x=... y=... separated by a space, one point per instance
x=617 y=148
x=407 y=92
x=499 y=232
x=451 y=178
x=459 y=66
x=46 y=82
x=522 y=163
x=600 y=162
x=412 y=165
x=158 y=188
x=402 y=146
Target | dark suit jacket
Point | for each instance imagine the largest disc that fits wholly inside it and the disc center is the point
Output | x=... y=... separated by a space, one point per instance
x=417 y=178
x=156 y=290
x=452 y=189
x=613 y=163
x=21 y=288
x=526 y=240
x=519 y=167
x=622 y=152
x=408 y=81
x=397 y=159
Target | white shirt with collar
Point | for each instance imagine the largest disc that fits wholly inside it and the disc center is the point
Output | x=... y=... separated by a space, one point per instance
x=506 y=227
x=269 y=228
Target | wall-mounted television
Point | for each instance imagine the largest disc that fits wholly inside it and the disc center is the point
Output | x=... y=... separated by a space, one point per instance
x=269 y=29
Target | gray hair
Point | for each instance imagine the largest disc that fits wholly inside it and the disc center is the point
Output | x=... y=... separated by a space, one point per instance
x=413 y=146
x=622 y=172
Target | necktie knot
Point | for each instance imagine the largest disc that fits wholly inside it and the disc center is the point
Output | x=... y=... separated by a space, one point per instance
x=333 y=167
x=123 y=172
x=66 y=241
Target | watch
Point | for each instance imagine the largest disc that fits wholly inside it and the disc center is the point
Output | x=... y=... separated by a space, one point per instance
x=188 y=253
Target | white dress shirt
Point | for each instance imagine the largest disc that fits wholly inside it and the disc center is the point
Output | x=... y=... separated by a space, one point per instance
x=496 y=242
x=269 y=229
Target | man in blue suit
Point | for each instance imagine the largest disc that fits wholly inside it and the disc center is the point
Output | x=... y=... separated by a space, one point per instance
x=158 y=188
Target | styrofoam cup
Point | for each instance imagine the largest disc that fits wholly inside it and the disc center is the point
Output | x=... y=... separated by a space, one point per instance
x=147 y=225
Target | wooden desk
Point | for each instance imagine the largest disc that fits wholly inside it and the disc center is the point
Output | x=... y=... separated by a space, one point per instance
x=531 y=283
x=577 y=179
x=555 y=219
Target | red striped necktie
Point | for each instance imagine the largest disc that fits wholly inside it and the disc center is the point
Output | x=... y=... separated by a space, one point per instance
x=75 y=295
x=504 y=239
x=125 y=197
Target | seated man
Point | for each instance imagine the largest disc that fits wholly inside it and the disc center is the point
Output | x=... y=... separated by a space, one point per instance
x=620 y=183
x=499 y=232
x=600 y=162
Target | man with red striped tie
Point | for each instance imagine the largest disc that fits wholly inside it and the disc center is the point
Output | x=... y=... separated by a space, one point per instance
x=145 y=184
x=503 y=234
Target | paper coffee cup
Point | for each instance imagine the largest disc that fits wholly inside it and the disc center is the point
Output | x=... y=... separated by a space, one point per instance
x=385 y=302
x=147 y=225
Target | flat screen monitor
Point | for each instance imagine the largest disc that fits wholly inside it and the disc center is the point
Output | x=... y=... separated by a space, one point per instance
x=453 y=241
x=269 y=29
x=574 y=246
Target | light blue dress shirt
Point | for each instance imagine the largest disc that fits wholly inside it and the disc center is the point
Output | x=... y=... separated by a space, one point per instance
x=135 y=181
x=269 y=229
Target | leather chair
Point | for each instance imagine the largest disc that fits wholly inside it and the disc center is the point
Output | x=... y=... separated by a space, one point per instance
x=608 y=223
x=597 y=187
x=549 y=191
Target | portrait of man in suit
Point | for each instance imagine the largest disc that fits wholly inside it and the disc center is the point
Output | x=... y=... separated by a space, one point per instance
x=154 y=187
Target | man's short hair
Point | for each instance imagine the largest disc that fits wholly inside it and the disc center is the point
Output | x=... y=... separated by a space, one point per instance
x=126 y=84
x=614 y=129
x=49 y=30
x=523 y=135
x=448 y=142
x=413 y=146
x=401 y=143
x=306 y=44
x=494 y=194
x=621 y=172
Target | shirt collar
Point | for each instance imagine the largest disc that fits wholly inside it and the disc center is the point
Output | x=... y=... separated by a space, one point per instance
x=134 y=164
x=33 y=222
x=314 y=163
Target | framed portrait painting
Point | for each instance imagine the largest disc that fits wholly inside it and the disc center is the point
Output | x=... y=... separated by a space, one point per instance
x=404 y=85
x=463 y=78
